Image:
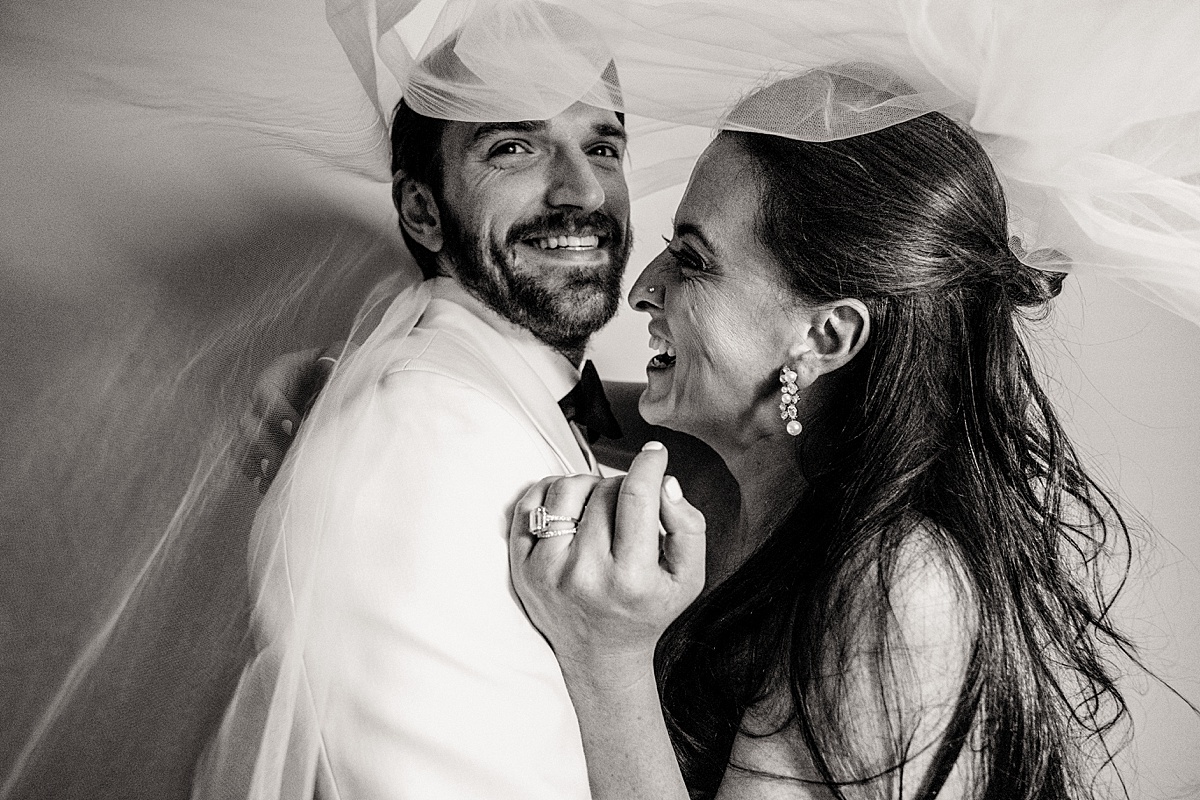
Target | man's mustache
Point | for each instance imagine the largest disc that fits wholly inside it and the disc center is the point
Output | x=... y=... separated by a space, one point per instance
x=567 y=223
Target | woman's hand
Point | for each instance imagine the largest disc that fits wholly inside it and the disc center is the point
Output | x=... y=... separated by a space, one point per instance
x=603 y=596
x=281 y=397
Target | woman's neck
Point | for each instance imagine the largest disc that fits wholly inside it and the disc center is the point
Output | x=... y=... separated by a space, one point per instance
x=769 y=483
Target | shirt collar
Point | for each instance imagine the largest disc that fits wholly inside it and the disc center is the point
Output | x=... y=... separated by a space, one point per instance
x=556 y=371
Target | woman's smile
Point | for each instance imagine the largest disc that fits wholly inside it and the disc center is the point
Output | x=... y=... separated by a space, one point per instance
x=664 y=358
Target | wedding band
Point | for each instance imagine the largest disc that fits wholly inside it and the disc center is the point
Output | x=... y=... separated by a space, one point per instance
x=540 y=519
x=550 y=534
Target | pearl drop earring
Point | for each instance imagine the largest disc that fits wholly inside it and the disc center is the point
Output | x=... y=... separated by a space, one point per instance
x=787 y=405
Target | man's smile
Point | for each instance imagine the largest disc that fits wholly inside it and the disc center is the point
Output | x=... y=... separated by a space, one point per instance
x=590 y=242
x=566 y=249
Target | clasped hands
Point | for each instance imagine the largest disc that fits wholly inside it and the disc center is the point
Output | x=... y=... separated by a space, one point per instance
x=603 y=595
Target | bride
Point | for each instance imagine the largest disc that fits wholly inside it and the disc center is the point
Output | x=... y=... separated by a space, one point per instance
x=906 y=606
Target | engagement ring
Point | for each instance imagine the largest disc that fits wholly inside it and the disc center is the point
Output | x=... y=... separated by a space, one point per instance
x=539 y=523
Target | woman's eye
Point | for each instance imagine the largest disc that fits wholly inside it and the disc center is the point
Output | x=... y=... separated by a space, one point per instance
x=684 y=257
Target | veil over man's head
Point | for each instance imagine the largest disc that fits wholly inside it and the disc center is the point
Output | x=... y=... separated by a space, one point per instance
x=1094 y=165
x=483 y=60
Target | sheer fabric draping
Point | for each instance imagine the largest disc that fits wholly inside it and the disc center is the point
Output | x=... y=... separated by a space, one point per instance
x=1090 y=111
x=269 y=740
x=190 y=190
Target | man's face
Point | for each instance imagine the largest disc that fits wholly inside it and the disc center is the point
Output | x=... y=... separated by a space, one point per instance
x=535 y=219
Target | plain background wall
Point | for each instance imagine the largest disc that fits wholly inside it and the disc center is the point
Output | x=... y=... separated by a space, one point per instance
x=146 y=202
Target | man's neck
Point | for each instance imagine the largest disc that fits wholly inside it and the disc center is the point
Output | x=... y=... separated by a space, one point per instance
x=572 y=354
x=573 y=351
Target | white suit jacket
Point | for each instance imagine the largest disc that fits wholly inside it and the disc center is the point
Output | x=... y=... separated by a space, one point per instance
x=380 y=562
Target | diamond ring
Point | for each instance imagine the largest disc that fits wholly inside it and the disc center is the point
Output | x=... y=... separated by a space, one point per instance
x=539 y=523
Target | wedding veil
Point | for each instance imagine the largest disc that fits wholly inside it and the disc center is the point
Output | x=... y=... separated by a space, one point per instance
x=1088 y=109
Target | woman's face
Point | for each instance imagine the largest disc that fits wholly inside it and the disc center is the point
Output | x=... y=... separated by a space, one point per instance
x=719 y=313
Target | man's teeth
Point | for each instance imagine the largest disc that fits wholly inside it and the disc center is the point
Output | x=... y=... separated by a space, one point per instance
x=662 y=346
x=572 y=242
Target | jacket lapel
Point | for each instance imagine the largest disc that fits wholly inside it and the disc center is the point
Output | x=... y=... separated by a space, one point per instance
x=507 y=377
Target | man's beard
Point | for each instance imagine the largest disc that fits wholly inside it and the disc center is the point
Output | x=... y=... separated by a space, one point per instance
x=563 y=316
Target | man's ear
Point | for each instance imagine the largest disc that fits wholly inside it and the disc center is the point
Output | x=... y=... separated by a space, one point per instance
x=831 y=335
x=419 y=213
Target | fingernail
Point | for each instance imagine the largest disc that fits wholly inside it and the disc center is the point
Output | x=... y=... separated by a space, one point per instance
x=652 y=445
x=287 y=426
x=266 y=462
x=671 y=489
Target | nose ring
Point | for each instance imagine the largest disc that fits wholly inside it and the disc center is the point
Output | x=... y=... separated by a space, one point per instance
x=650 y=289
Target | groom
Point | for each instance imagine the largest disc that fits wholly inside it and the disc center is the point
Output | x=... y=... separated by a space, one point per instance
x=521 y=230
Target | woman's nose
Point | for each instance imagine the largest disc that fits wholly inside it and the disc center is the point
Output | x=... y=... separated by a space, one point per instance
x=649 y=288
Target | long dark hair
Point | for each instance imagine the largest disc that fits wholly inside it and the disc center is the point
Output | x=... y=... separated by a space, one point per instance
x=944 y=431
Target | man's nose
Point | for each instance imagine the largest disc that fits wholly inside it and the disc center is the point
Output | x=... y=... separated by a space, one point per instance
x=574 y=183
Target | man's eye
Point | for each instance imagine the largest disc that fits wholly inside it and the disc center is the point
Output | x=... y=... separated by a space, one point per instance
x=605 y=151
x=508 y=149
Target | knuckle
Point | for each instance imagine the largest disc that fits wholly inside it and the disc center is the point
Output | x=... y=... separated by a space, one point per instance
x=636 y=491
x=632 y=585
x=568 y=486
x=583 y=481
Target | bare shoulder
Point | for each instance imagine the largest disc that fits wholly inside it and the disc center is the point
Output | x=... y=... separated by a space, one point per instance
x=892 y=676
x=930 y=596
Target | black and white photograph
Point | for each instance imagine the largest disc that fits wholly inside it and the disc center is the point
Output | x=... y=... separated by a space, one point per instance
x=600 y=400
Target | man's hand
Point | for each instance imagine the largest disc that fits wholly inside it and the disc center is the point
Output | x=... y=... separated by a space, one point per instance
x=282 y=396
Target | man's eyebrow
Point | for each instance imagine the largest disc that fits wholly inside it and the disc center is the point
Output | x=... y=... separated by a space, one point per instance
x=607 y=129
x=683 y=228
x=486 y=129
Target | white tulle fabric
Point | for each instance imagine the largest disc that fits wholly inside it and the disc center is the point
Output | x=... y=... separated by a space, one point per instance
x=270 y=739
x=1089 y=109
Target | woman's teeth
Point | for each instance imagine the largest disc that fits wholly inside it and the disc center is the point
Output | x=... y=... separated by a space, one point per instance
x=662 y=346
x=570 y=242
x=666 y=353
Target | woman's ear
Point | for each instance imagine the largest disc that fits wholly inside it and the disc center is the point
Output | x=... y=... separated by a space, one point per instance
x=419 y=213
x=831 y=335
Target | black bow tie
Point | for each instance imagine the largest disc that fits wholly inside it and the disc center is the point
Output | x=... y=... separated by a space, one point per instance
x=586 y=406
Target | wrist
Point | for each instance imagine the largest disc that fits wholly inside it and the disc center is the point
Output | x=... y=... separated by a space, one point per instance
x=610 y=674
